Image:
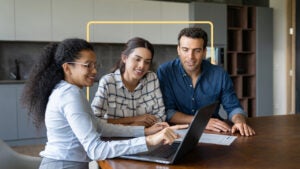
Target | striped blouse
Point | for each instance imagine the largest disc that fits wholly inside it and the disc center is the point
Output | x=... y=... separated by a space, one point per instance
x=113 y=100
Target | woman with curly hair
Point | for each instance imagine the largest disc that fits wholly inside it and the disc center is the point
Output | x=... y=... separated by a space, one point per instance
x=53 y=94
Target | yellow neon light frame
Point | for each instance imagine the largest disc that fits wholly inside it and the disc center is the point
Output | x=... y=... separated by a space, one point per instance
x=153 y=22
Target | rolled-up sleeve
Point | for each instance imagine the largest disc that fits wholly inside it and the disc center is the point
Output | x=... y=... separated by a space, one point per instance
x=229 y=98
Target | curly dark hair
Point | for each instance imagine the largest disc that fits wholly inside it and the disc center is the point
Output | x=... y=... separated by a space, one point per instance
x=46 y=73
x=195 y=33
x=131 y=44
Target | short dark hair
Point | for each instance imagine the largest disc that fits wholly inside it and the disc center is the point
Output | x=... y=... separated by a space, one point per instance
x=195 y=33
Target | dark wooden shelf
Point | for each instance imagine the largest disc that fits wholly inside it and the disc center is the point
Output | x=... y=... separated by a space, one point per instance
x=241 y=54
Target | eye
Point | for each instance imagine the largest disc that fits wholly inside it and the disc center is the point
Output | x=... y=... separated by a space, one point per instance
x=184 y=49
x=198 y=50
x=87 y=65
x=90 y=65
x=137 y=59
x=147 y=62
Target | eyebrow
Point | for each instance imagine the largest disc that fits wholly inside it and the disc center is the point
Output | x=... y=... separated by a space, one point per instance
x=191 y=48
x=141 y=57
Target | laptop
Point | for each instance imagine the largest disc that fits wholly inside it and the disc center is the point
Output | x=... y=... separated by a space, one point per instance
x=170 y=154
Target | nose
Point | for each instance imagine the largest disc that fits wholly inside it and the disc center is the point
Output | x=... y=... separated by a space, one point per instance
x=190 y=54
x=141 y=64
x=94 y=70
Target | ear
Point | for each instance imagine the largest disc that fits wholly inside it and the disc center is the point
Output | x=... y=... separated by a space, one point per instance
x=124 y=58
x=66 y=68
x=178 y=50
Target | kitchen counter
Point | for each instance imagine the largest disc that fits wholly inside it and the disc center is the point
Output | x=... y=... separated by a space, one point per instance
x=12 y=81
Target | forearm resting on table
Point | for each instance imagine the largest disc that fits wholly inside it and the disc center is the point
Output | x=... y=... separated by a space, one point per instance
x=181 y=118
x=238 y=118
x=124 y=120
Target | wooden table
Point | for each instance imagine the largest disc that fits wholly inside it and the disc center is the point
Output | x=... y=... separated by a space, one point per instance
x=276 y=145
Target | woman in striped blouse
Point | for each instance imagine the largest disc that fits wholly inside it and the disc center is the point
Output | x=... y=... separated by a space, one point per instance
x=131 y=95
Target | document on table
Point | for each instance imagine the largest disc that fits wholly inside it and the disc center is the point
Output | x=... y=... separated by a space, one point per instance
x=210 y=138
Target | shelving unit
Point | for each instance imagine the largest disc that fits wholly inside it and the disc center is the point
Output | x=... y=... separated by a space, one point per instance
x=241 y=54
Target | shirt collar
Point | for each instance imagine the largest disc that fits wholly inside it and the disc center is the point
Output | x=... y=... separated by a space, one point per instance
x=120 y=84
x=118 y=78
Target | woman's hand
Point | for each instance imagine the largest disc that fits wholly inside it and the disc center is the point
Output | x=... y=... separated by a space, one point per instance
x=156 y=128
x=146 y=120
x=165 y=136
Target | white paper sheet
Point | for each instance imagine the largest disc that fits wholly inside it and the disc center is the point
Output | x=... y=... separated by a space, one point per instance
x=210 y=138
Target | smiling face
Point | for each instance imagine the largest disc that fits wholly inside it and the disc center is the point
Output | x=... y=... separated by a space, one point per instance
x=137 y=64
x=82 y=71
x=191 y=53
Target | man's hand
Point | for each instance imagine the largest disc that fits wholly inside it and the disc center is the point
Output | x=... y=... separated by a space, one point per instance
x=217 y=125
x=244 y=129
x=240 y=125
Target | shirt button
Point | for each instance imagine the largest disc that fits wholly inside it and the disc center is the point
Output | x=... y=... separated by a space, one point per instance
x=193 y=110
x=193 y=99
x=191 y=85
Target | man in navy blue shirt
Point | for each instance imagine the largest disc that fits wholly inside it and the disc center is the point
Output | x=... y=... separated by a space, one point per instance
x=191 y=82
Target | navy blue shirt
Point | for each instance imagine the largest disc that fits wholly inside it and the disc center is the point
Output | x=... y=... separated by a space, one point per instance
x=213 y=84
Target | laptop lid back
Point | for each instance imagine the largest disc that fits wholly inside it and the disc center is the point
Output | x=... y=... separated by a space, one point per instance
x=195 y=131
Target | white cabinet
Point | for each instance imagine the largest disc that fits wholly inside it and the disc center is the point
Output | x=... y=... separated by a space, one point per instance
x=33 y=20
x=7 y=20
x=126 y=10
x=26 y=128
x=111 y=10
x=138 y=10
x=55 y=20
x=147 y=11
x=69 y=18
x=173 y=12
x=8 y=113
x=15 y=125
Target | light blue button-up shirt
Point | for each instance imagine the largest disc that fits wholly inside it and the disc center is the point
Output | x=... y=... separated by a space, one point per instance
x=213 y=84
x=74 y=134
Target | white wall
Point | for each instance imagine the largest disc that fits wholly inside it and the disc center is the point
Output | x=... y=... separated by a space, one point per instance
x=280 y=49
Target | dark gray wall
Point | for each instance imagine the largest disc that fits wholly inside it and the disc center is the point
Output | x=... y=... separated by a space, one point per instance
x=107 y=55
x=264 y=61
x=217 y=14
x=298 y=57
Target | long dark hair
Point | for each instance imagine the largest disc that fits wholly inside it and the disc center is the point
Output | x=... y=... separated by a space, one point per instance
x=131 y=44
x=46 y=73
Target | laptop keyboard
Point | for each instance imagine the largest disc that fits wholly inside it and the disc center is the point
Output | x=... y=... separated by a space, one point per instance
x=164 y=151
